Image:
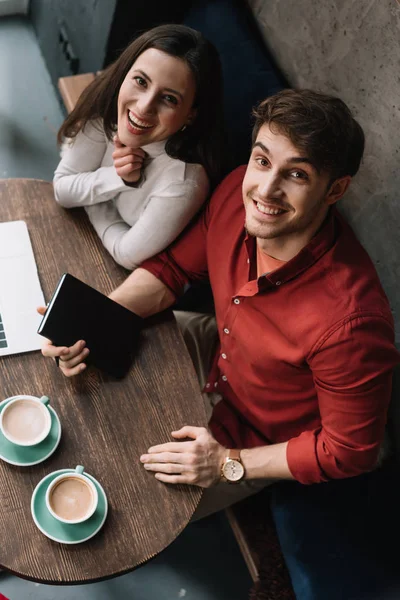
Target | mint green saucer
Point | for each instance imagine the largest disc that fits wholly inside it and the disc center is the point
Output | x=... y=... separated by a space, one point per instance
x=26 y=456
x=62 y=532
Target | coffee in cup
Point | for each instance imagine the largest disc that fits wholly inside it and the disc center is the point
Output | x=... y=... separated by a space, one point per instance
x=26 y=420
x=72 y=497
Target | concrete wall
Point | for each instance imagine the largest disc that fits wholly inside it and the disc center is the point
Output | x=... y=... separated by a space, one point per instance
x=351 y=48
x=77 y=27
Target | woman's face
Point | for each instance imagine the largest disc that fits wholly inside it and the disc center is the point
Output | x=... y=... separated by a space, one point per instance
x=155 y=99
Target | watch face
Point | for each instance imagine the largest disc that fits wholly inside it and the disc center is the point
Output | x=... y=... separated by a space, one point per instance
x=233 y=470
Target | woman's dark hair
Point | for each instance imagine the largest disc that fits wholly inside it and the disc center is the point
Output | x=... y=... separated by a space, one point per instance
x=321 y=126
x=201 y=142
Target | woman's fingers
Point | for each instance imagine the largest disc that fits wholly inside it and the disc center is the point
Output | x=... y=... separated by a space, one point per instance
x=51 y=351
x=74 y=371
x=128 y=160
x=126 y=151
x=63 y=352
x=69 y=363
x=129 y=172
x=41 y=310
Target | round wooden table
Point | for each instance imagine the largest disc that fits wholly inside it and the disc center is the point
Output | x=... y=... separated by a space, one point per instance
x=106 y=424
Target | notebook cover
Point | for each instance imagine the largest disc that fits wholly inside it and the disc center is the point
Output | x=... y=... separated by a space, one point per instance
x=77 y=311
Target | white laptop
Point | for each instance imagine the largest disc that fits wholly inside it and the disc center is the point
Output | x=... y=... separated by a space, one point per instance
x=20 y=291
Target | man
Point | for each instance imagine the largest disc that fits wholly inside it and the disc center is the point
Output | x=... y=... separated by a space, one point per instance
x=305 y=349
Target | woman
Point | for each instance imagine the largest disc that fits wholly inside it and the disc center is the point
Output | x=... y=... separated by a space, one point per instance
x=143 y=146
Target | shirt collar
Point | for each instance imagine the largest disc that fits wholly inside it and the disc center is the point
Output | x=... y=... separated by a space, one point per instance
x=155 y=148
x=322 y=241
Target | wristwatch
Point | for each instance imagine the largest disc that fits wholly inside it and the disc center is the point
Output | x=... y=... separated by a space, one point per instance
x=232 y=469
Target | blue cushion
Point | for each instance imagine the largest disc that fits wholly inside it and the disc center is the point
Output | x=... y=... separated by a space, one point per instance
x=250 y=74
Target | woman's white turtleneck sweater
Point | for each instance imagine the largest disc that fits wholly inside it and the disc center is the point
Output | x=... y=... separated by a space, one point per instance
x=133 y=223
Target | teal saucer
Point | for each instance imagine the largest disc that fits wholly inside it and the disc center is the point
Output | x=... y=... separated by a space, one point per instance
x=62 y=532
x=26 y=456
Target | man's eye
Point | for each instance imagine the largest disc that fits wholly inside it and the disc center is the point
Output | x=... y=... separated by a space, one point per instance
x=300 y=175
x=170 y=99
x=261 y=161
x=140 y=81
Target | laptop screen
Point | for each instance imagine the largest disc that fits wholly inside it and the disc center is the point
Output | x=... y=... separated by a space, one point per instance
x=20 y=291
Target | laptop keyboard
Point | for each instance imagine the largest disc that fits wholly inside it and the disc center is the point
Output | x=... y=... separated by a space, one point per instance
x=3 y=339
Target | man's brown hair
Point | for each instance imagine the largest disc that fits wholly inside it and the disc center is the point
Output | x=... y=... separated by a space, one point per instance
x=321 y=126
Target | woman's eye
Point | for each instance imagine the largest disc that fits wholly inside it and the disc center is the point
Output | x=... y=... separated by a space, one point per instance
x=140 y=80
x=170 y=99
x=262 y=161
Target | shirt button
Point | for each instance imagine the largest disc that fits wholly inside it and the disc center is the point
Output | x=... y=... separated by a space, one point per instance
x=208 y=385
x=216 y=384
x=224 y=378
x=226 y=330
x=278 y=283
x=223 y=355
x=236 y=301
x=248 y=261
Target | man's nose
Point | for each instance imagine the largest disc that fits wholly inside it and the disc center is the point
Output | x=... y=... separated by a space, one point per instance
x=269 y=186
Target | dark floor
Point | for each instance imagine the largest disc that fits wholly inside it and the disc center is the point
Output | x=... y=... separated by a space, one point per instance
x=204 y=563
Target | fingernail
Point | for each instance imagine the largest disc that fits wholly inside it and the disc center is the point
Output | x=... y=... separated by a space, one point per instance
x=143 y=458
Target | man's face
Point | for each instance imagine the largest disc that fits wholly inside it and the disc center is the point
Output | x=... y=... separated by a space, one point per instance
x=284 y=195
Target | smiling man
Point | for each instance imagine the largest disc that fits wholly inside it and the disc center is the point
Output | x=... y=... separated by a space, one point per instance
x=298 y=361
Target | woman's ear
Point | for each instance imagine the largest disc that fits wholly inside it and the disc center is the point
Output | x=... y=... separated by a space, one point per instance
x=191 y=117
x=337 y=189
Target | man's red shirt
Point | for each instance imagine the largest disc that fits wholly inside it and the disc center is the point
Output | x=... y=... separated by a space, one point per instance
x=306 y=353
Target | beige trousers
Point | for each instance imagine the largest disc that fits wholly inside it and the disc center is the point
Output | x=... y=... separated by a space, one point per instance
x=200 y=334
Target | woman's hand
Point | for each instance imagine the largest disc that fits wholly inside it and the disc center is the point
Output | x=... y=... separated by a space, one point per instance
x=70 y=359
x=197 y=462
x=128 y=162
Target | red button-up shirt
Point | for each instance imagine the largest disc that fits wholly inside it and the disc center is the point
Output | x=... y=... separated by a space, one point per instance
x=306 y=353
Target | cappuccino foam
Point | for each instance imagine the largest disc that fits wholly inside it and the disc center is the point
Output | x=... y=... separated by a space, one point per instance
x=24 y=421
x=71 y=498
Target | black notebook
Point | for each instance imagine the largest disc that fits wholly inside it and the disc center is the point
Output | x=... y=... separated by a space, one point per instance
x=77 y=311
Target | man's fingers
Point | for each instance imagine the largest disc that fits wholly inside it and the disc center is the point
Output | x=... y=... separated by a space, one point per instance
x=169 y=447
x=166 y=478
x=41 y=310
x=166 y=457
x=188 y=432
x=171 y=468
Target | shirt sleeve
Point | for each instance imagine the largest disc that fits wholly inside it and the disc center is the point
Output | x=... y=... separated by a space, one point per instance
x=79 y=179
x=186 y=260
x=163 y=219
x=352 y=369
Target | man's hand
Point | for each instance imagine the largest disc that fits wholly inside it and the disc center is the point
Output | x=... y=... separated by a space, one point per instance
x=128 y=162
x=70 y=359
x=196 y=462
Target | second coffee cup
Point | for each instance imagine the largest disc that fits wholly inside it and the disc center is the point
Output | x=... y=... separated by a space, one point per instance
x=72 y=497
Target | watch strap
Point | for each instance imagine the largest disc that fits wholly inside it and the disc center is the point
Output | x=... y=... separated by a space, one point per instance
x=234 y=454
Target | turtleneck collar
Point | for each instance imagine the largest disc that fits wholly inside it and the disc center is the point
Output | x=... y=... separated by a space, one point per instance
x=155 y=148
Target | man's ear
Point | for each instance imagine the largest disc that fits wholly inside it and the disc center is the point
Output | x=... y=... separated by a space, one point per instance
x=337 y=189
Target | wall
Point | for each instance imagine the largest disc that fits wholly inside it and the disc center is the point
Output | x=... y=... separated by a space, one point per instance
x=350 y=48
x=79 y=25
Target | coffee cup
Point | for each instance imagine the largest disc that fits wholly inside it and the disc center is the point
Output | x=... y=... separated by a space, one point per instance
x=26 y=420
x=72 y=497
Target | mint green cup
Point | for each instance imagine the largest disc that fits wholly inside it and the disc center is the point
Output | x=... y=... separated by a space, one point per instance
x=26 y=420
x=72 y=497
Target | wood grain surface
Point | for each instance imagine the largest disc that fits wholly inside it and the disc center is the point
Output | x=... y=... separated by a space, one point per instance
x=106 y=424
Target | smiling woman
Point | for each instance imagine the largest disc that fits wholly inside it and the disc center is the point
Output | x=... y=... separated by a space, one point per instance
x=137 y=150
